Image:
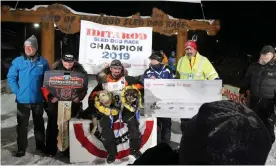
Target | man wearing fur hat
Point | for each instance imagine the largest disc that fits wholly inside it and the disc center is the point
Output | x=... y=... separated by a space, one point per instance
x=194 y=66
x=67 y=63
x=260 y=79
x=114 y=79
x=25 y=79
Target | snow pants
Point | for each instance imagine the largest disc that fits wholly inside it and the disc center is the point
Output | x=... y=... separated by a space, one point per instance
x=23 y=115
x=264 y=108
x=183 y=125
x=164 y=130
x=107 y=133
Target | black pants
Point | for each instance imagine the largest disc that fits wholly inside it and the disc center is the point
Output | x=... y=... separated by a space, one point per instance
x=164 y=130
x=23 y=115
x=108 y=134
x=183 y=125
x=264 y=108
x=52 y=127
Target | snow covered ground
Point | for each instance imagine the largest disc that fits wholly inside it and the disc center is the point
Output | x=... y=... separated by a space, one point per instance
x=8 y=138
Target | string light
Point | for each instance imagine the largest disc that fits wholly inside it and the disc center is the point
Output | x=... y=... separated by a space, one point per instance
x=36 y=25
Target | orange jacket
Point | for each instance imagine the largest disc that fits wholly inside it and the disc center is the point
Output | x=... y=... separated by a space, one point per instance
x=165 y=59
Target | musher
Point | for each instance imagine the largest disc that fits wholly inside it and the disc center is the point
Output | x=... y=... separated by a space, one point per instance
x=113 y=79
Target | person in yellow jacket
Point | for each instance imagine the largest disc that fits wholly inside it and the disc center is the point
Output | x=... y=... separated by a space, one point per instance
x=194 y=66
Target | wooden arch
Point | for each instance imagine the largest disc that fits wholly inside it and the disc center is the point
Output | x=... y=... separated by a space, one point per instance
x=68 y=21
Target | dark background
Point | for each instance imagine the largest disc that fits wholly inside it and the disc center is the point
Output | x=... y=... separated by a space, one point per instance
x=245 y=28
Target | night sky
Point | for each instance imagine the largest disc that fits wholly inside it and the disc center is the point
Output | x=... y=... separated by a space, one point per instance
x=245 y=26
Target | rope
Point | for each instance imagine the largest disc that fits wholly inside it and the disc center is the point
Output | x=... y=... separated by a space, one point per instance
x=195 y=37
x=202 y=11
x=16 y=4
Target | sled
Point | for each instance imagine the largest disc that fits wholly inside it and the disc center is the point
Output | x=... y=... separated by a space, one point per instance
x=64 y=115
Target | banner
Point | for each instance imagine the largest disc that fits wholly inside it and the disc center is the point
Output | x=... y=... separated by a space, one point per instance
x=232 y=93
x=100 y=44
x=85 y=147
x=179 y=98
x=65 y=85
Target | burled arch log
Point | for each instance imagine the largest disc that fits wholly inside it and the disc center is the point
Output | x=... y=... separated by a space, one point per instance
x=68 y=21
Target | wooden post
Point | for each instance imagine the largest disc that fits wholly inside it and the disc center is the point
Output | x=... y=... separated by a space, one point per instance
x=182 y=37
x=48 y=42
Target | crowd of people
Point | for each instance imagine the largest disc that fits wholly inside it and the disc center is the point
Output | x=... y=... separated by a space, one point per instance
x=222 y=132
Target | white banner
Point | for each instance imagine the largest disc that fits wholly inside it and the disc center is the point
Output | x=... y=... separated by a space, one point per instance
x=100 y=44
x=179 y=98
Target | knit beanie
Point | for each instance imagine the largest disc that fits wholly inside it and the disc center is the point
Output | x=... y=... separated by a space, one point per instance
x=225 y=133
x=32 y=41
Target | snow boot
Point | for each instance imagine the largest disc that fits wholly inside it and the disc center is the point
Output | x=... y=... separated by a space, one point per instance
x=51 y=152
x=41 y=149
x=20 y=153
x=136 y=154
x=110 y=158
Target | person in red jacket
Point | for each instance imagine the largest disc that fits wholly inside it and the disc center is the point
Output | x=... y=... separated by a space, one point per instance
x=67 y=63
x=114 y=80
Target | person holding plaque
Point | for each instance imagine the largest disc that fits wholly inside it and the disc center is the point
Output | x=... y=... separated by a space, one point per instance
x=67 y=63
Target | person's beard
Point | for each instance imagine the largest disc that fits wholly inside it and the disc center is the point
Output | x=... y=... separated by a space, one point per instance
x=264 y=62
x=190 y=55
x=116 y=75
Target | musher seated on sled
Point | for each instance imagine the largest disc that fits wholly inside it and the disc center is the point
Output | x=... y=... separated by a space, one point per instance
x=67 y=63
x=114 y=81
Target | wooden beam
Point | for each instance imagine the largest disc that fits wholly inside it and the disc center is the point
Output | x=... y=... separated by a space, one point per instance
x=182 y=37
x=48 y=42
x=68 y=21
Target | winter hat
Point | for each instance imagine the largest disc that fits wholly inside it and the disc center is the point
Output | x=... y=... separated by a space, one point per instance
x=157 y=56
x=227 y=133
x=191 y=44
x=68 y=57
x=32 y=41
x=267 y=49
x=115 y=63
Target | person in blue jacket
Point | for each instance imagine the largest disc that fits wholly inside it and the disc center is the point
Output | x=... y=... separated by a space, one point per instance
x=172 y=62
x=157 y=70
x=25 y=79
